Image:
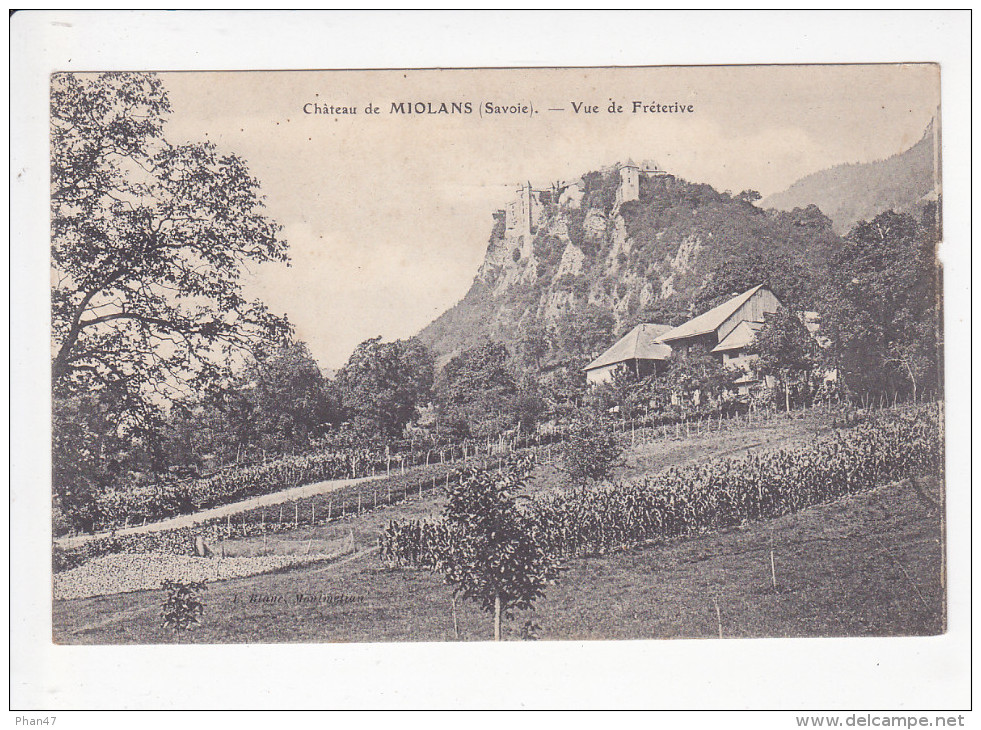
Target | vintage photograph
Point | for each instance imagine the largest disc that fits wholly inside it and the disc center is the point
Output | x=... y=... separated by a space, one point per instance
x=502 y=354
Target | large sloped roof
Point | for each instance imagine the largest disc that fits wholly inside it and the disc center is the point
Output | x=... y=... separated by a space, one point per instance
x=641 y=343
x=711 y=320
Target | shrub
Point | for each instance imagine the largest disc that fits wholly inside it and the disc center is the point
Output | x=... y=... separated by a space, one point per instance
x=591 y=452
x=182 y=608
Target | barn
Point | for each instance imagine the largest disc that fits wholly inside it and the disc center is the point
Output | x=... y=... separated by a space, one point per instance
x=712 y=329
x=728 y=330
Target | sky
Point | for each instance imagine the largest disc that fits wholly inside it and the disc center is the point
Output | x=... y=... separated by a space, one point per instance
x=388 y=215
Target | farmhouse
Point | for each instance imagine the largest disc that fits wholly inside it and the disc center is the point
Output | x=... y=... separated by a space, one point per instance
x=639 y=351
x=726 y=331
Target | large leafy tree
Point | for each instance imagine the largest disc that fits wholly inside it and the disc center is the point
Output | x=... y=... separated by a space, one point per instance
x=383 y=384
x=290 y=398
x=591 y=452
x=279 y=403
x=880 y=306
x=476 y=390
x=532 y=346
x=150 y=244
x=92 y=451
x=775 y=269
x=563 y=388
x=695 y=375
x=619 y=392
x=585 y=331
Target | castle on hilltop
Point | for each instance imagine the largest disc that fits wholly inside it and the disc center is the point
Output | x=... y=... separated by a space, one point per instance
x=526 y=212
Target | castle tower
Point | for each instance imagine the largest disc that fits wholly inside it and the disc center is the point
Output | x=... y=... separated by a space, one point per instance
x=629 y=187
x=525 y=213
x=629 y=181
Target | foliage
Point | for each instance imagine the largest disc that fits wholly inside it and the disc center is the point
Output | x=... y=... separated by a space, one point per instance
x=783 y=343
x=880 y=304
x=182 y=608
x=485 y=546
x=585 y=331
x=529 y=630
x=383 y=384
x=722 y=493
x=779 y=272
x=693 y=376
x=279 y=403
x=476 y=390
x=601 y=188
x=689 y=380
x=93 y=448
x=167 y=498
x=591 y=452
x=686 y=248
x=289 y=397
x=618 y=394
x=562 y=389
x=669 y=311
x=150 y=241
x=853 y=192
x=532 y=346
x=785 y=350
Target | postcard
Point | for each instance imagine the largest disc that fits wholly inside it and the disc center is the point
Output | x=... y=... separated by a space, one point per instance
x=454 y=355
x=606 y=361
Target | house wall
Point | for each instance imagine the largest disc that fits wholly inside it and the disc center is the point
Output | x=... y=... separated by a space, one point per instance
x=634 y=368
x=600 y=375
x=761 y=303
x=738 y=359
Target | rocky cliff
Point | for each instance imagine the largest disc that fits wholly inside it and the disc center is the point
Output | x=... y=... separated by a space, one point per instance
x=594 y=267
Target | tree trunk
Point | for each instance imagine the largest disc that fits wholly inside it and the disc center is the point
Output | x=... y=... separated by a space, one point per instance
x=497 y=617
x=786 y=391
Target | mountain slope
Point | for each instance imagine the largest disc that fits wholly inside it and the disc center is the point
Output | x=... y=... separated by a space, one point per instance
x=855 y=192
x=591 y=269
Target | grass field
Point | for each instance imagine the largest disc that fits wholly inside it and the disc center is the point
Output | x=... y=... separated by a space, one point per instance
x=869 y=564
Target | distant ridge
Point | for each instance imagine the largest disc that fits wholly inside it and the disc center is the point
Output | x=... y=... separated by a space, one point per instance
x=853 y=192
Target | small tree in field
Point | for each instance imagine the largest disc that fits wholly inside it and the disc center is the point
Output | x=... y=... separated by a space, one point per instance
x=492 y=555
x=182 y=608
x=591 y=452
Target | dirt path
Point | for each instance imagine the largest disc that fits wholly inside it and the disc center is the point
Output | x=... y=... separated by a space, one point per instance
x=264 y=500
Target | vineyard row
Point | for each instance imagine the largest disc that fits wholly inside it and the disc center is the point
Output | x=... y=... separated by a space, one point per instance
x=719 y=494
